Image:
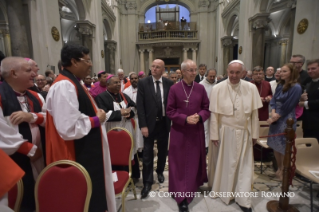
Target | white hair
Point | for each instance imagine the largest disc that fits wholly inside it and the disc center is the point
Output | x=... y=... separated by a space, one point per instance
x=237 y=61
x=278 y=69
x=186 y=63
x=120 y=71
x=11 y=63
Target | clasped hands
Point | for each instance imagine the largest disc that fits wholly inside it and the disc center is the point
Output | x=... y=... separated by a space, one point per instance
x=126 y=112
x=274 y=117
x=193 y=119
x=18 y=117
x=303 y=98
x=265 y=99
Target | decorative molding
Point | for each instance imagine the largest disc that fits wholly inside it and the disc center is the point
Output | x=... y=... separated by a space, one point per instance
x=283 y=41
x=131 y=5
x=259 y=21
x=170 y=44
x=108 y=11
x=194 y=49
x=302 y=26
x=229 y=8
x=203 y=3
x=150 y=50
x=185 y=49
x=141 y=50
x=85 y=28
x=111 y=45
x=227 y=41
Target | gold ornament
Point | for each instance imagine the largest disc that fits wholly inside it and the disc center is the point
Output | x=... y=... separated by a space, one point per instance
x=55 y=33
x=240 y=50
x=302 y=26
x=102 y=53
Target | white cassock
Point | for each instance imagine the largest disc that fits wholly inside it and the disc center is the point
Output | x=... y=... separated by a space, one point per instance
x=208 y=87
x=273 y=85
x=11 y=139
x=139 y=142
x=234 y=122
x=72 y=124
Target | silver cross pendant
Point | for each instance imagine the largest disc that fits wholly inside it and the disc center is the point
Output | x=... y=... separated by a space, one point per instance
x=186 y=102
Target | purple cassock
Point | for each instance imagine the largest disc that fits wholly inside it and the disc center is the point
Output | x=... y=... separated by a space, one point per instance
x=97 y=90
x=187 y=155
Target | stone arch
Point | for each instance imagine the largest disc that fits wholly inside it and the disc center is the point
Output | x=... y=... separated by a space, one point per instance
x=108 y=29
x=81 y=9
x=283 y=23
x=148 y=4
x=230 y=23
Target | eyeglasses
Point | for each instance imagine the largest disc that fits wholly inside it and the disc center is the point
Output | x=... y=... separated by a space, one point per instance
x=87 y=61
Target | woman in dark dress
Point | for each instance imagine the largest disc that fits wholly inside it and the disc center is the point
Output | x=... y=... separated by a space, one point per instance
x=283 y=106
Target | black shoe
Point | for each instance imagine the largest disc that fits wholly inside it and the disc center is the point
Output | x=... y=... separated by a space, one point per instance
x=147 y=188
x=161 y=178
x=183 y=206
x=244 y=209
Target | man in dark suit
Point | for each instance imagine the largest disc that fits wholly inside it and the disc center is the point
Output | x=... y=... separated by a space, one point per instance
x=298 y=61
x=202 y=68
x=151 y=110
x=310 y=102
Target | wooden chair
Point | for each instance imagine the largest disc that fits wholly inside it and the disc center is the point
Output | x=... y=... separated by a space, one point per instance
x=262 y=142
x=63 y=186
x=307 y=159
x=121 y=146
x=15 y=196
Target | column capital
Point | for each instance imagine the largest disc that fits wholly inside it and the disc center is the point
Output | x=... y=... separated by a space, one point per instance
x=131 y=5
x=194 y=49
x=227 y=41
x=141 y=50
x=283 y=41
x=260 y=21
x=150 y=50
x=185 y=49
x=85 y=28
x=111 y=45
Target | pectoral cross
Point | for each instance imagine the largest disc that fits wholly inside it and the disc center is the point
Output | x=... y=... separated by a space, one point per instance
x=186 y=101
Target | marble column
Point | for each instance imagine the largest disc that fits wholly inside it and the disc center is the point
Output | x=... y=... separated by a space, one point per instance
x=283 y=51
x=185 y=50
x=259 y=25
x=7 y=42
x=227 y=42
x=150 y=58
x=194 y=54
x=18 y=29
x=142 y=66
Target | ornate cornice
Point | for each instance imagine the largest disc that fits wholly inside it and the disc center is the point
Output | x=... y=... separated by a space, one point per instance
x=85 y=28
x=203 y=3
x=228 y=9
x=259 y=21
x=131 y=5
x=227 y=41
x=108 y=11
x=183 y=44
x=110 y=44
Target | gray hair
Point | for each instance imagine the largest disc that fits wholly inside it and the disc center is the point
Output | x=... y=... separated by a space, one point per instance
x=172 y=72
x=211 y=69
x=278 y=69
x=11 y=63
x=186 y=63
x=300 y=56
x=119 y=71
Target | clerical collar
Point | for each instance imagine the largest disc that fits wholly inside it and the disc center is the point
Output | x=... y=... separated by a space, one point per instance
x=20 y=94
x=209 y=82
x=269 y=77
x=160 y=79
x=315 y=80
x=183 y=81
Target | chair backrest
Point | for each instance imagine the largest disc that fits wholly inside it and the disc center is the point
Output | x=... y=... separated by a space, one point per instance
x=299 y=131
x=307 y=151
x=15 y=196
x=263 y=130
x=63 y=186
x=121 y=146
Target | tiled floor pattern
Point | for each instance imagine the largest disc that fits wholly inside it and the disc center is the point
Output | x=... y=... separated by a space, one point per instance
x=263 y=183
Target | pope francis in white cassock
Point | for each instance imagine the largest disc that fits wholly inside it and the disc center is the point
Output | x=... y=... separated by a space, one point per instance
x=234 y=128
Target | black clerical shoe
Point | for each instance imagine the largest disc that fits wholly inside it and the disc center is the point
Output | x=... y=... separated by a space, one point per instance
x=183 y=206
x=146 y=189
x=161 y=178
x=244 y=209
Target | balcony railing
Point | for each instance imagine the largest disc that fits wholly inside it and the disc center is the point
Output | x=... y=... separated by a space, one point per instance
x=167 y=31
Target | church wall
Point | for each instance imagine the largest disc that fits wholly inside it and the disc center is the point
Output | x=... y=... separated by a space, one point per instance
x=307 y=43
x=43 y=16
x=219 y=33
x=117 y=36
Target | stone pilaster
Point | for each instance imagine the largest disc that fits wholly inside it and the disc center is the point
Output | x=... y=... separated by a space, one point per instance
x=150 y=57
x=283 y=50
x=227 y=42
x=185 y=50
x=142 y=65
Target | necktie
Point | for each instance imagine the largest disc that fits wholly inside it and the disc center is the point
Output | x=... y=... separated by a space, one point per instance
x=201 y=78
x=159 y=99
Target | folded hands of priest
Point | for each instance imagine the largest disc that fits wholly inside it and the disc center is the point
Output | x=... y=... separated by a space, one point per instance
x=18 y=117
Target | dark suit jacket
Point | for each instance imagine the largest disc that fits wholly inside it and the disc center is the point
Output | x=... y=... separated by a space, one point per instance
x=304 y=79
x=197 y=78
x=146 y=103
x=310 y=119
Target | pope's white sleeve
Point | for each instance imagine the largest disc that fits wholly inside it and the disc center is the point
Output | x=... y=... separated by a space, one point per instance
x=254 y=124
x=214 y=128
x=63 y=106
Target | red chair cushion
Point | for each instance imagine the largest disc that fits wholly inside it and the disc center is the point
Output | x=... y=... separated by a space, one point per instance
x=122 y=177
x=12 y=196
x=62 y=188
x=120 y=146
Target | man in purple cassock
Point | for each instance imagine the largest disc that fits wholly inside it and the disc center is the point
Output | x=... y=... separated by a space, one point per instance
x=187 y=107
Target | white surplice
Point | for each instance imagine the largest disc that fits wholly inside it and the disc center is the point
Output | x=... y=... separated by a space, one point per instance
x=273 y=85
x=71 y=124
x=208 y=87
x=11 y=139
x=235 y=130
x=139 y=142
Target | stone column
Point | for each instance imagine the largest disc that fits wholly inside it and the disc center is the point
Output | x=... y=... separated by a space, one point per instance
x=18 y=29
x=142 y=66
x=150 y=58
x=227 y=42
x=283 y=52
x=86 y=29
x=185 y=50
x=259 y=23
x=111 y=47
x=194 y=54
x=7 y=42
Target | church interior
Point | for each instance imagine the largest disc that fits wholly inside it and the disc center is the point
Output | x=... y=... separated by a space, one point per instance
x=130 y=34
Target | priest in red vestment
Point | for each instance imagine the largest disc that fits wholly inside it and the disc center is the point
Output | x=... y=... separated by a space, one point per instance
x=264 y=90
x=187 y=107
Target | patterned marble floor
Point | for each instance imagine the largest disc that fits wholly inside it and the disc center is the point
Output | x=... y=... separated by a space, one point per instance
x=262 y=183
